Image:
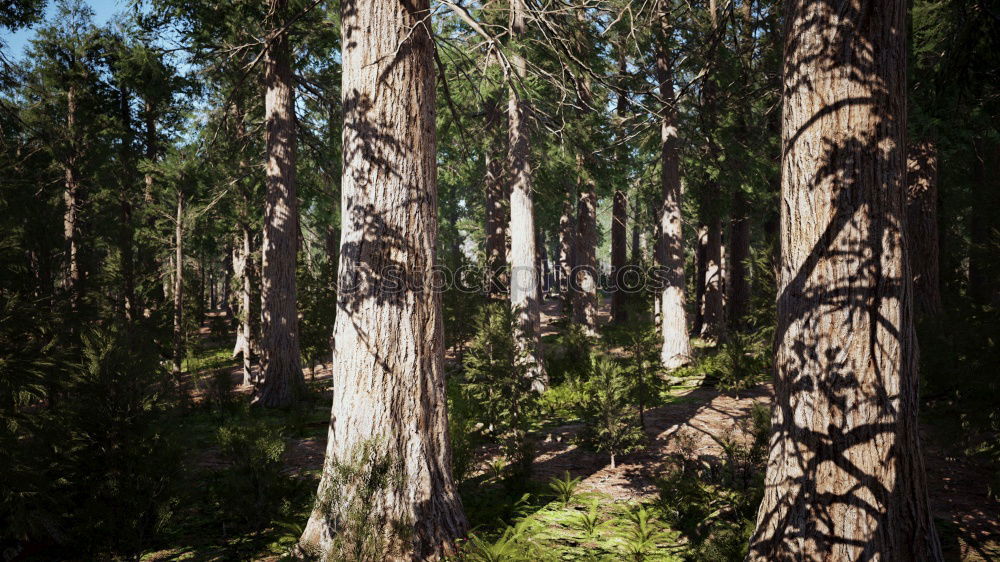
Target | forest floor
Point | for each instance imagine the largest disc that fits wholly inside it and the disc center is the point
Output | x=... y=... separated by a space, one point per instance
x=693 y=419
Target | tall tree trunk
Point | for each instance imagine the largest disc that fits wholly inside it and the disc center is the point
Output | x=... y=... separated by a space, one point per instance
x=701 y=251
x=524 y=276
x=125 y=194
x=675 y=349
x=585 y=282
x=497 y=216
x=178 y=290
x=227 y=280
x=619 y=240
x=922 y=227
x=984 y=232
x=71 y=197
x=388 y=453
x=845 y=477
x=567 y=236
x=280 y=361
x=712 y=317
x=243 y=264
x=739 y=252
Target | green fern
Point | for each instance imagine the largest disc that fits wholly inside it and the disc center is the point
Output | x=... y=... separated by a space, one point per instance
x=564 y=489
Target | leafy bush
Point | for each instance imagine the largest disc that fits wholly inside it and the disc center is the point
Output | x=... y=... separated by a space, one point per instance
x=500 y=388
x=317 y=300
x=121 y=461
x=746 y=360
x=611 y=425
x=568 y=357
x=250 y=490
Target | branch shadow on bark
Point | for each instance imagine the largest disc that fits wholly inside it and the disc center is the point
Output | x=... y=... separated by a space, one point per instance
x=846 y=351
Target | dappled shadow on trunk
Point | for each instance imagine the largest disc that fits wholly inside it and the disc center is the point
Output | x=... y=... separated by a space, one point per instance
x=845 y=475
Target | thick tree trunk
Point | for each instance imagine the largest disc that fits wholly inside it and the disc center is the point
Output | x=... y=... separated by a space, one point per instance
x=71 y=197
x=675 y=349
x=922 y=227
x=712 y=312
x=845 y=477
x=387 y=491
x=738 y=288
x=178 y=290
x=524 y=276
x=280 y=361
x=619 y=241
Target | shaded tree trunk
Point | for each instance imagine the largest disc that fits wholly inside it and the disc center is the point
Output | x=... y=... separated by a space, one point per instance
x=922 y=227
x=585 y=267
x=619 y=241
x=388 y=452
x=699 y=278
x=675 y=349
x=984 y=232
x=178 y=289
x=72 y=198
x=524 y=276
x=738 y=300
x=567 y=235
x=280 y=360
x=712 y=310
x=845 y=477
x=497 y=204
x=126 y=229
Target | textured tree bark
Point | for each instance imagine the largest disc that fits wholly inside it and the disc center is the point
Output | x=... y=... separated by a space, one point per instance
x=243 y=264
x=845 y=477
x=619 y=217
x=922 y=227
x=712 y=313
x=567 y=235
x=524 y=276
x=738 y=287
x=701 y=251
x=675 y=349
x=178 y=291
x=585 y=270
x=71 y=197
x=280 y=360
x=388 y=454
x=497 y=203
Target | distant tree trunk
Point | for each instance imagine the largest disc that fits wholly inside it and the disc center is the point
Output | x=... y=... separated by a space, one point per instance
x=585 y=283
x=675 y=349
x=567 y=235
x=739 y=252
x=227 y=280
x=542 y=264
x=387 y=477
x=922 y=227
x=712 y=313
x=701 y=251
x=125 y=194
x=178 y=290
x=524 y=276
x=280 y=360
x=71 y=197
x=497 y=204
x=984 y=228
x=243 y=264
x=845 y=478
x=619 y=217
